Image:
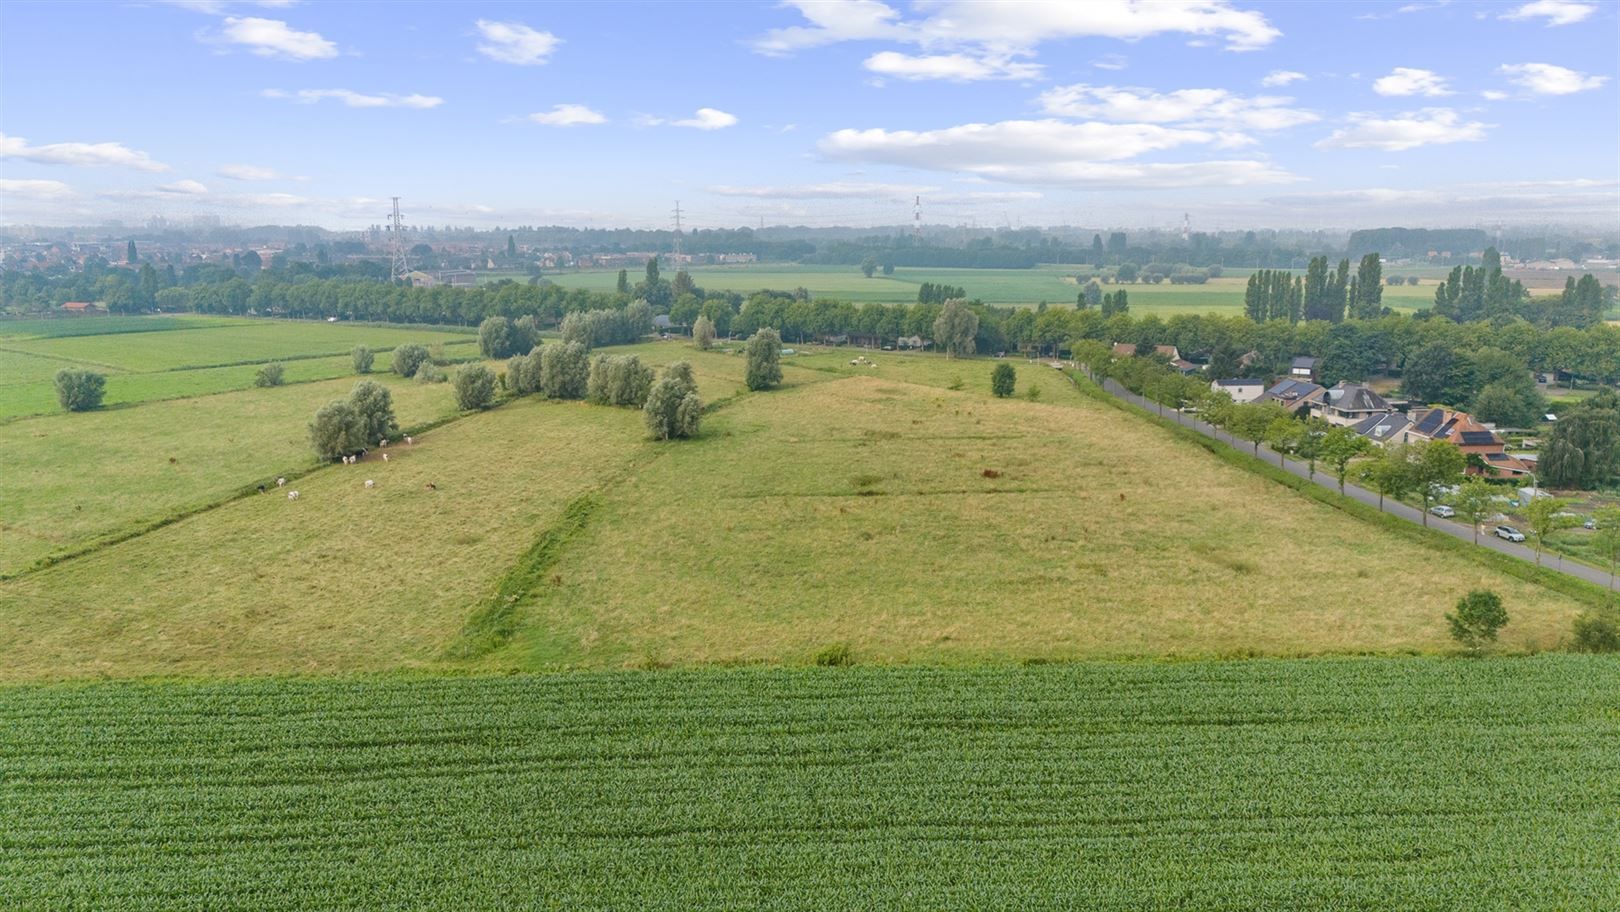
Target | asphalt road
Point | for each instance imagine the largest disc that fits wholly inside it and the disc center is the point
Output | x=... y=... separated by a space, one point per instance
x=1487 y=537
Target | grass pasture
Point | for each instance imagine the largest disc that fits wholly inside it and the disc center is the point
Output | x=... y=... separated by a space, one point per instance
x=1353 y=784
x=72 y=478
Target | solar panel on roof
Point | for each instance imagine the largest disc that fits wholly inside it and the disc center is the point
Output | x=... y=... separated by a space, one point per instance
x=1478 y=438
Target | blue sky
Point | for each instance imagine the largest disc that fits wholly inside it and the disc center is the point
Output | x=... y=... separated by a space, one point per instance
x=1103 y=113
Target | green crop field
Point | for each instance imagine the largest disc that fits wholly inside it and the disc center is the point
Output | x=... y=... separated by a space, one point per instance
x=1355 y=784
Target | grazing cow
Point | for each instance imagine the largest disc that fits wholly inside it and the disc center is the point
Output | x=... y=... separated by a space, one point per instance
x=261 y=489
x=280 y=482
x=385 y=457
x=431 y=486
x=370 y=483
x=409 y=441
x=384 y=442
x=292 y=495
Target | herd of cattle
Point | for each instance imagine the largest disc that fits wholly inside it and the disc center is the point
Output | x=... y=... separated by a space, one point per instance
x=355 y=459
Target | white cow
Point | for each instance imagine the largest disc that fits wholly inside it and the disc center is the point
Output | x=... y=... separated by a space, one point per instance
x=292 y=495
x=385 y=457
x=384 y=442
x=281 y=482
x=409 y=441
x=369 y=483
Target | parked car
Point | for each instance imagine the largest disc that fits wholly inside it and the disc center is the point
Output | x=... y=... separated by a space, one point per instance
x=1509 y=533
x=1589 y=524
x=1442 y=511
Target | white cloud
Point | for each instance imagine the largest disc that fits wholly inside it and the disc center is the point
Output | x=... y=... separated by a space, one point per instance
x=274 y=38
x=1211 y=108
x=1111 y=62
x=1281 y=78
x=1428 y=127
x=1403 y=81
x=567 y=115
x=992 y=27
x=951 y=67
x=707 y=119
x=357 y=99
x=1049 y=151
x=188 y=187
x=1547 y=79
x=1556 y=12
x=36 y=189
x=829 y=190
x=515 y=43
x=246 y=173
x=104 y=154
x=1493 y=95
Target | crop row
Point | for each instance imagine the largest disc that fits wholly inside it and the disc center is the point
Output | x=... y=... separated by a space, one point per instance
x=1276 y=784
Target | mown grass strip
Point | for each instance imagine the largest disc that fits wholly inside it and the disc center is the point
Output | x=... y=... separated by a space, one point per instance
x=493 y=624
x=1561 y=583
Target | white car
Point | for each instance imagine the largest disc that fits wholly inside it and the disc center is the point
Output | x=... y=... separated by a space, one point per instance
x=1442 y=511
x=1509 y=533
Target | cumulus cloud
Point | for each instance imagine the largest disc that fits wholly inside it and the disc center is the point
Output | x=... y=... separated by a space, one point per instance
x=968 y=40
x=186 y=187
x=103 y=154
x=1547 y=79
x=246 y=173
x=1049 y=151
x=1404 y=81
x=567 y=115
x=274 y=38
x=515 y=43
x=1556 y=12
x=1428 y=127
x=45 y=190
x=1281 y=78
x=357 y=99
x=702 y=119
x=949 y=67
x=1209 y=108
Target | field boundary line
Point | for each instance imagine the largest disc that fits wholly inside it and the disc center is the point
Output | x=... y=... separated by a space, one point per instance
x=1578 y=581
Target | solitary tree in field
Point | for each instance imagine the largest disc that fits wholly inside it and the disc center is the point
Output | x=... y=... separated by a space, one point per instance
x=624 y=282
x=373 y=406
x=956 y=328
x=764 y=360
x=475 y=387
x=703 y=333
x=363 y=357
x=888 y=268
x=79 y=390
x=673 y=408
x=337 y=430
x=869 y=266
x=408 y=358
x=1339 y=447
x=1002 y=380
x=269 y=375
x=1478 y=617
x=1544 y=516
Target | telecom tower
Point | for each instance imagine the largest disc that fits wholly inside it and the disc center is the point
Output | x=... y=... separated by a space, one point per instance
x=1186 y=226
x=401 y=268
x=677 y=231
x=916 y=220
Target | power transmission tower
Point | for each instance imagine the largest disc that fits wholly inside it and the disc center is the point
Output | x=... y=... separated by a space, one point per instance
x=401 y=267
x=677 y=231
x=916 y=220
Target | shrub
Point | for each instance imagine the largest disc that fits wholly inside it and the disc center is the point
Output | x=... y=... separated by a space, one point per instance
x=1478 y=617
x=619 y=380
x=565 y=370
x=373 y=406
x=1598 y=629
x=409 y=358
x=764 y=360
x=525 y=335
x=269 y=375
x=363 y=357
x=337 y=430
x=673 y=408
x=1002 y=380
x=1033 y=393
x=703 y=333
x=79 y=390
x=475 y=387
x=495 y=337
x=431 y=373
x=592 y=328
x=837 y=655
